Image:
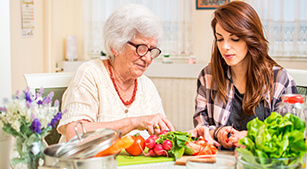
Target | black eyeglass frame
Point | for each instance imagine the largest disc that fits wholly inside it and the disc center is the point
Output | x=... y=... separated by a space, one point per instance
x=148 y=49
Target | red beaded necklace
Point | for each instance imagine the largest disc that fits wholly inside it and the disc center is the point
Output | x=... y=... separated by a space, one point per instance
x=128 y=102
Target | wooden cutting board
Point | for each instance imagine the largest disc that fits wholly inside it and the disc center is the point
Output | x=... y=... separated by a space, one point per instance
x=183 y=160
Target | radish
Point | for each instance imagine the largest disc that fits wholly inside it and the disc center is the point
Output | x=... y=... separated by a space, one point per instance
x=163 y=132
x=167 y=144
x=158 y=149
x=165 y=153
x=150 y=142
x=151 y=153
x=155 y=137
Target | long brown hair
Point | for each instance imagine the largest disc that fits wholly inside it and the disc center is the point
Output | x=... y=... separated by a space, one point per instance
x=240 y=19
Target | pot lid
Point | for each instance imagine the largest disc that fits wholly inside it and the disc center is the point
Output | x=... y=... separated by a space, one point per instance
x=88 y=144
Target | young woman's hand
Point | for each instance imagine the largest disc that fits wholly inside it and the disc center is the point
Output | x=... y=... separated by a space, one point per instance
x=234 y=138
x=203 y=131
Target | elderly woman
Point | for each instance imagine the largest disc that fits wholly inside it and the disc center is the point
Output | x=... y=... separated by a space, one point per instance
x=114 y=93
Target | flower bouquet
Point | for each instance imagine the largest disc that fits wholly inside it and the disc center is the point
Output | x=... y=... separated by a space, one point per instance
x=29 y=119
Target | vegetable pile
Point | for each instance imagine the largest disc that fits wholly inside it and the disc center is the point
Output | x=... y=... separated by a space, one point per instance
x=276 y=137
x=176 y=143
x=168 y=143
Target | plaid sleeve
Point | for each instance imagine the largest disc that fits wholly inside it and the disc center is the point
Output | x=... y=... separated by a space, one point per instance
x=201 y=116
x=283 y=84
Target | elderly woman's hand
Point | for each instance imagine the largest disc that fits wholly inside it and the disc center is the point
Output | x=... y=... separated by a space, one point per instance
x=153 y=123
x=234 y=138
x=203 y=131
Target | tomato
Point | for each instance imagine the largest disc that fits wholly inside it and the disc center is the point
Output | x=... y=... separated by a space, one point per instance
x=205 y=151
x=202 y=143
x=137 y=147
x=212 y=148
x=202 y=147
x=194 y=146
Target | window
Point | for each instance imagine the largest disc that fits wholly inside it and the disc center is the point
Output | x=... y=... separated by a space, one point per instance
x=175 y=15
x=285 y=23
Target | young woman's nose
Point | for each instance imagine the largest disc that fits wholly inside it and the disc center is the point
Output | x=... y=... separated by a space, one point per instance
x=226 y=45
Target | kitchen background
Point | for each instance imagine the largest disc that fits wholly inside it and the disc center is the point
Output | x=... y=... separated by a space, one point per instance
x=54 y=20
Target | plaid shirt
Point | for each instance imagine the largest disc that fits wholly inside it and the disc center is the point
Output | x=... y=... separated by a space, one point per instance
x=210 y=113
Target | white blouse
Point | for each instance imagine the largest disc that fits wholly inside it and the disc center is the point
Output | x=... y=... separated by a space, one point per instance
x=92 y=96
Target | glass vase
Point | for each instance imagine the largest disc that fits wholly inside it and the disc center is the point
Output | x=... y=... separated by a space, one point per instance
x=5 y=147
x=27 y=153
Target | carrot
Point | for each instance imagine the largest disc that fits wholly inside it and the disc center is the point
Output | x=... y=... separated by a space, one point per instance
x=115 y=148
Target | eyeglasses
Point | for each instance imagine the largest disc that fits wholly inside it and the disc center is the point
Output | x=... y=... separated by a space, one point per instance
x=142 y=49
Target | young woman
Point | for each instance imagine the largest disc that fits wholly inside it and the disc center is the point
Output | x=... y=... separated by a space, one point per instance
x=242 y=81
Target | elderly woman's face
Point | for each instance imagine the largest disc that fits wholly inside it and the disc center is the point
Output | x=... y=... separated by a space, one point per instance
x=134 y=63
x=232 y=48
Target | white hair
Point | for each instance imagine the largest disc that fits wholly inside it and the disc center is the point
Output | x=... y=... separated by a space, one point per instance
x=125 y=23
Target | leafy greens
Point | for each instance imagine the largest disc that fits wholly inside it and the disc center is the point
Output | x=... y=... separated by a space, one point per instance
x=178 y=139
x=276 y=137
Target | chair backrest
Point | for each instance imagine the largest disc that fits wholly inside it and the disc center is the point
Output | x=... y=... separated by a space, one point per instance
x=56 y=82
x=48 y=80
x=300 y=77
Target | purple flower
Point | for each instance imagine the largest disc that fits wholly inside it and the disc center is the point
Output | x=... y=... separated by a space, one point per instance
x=46 y=100
x=39 y=102
x=29 y=105
x=40 y=92
x=36 y=126
x=28 y=96
x=51 y=94
x=55 y=119
x=2 y=109
x=16 y=95
x=56 y=103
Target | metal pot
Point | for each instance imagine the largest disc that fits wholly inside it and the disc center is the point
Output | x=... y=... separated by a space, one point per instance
x=79 y=152
x=106 y=162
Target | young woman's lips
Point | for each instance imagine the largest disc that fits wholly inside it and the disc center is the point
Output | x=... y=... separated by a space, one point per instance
x=228 y=56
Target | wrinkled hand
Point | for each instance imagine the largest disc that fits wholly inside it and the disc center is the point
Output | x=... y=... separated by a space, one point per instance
x=232 y=141
x=203 y=131
x=154 y=123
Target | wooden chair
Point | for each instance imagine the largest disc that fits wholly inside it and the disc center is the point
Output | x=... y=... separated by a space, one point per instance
x=56 y=82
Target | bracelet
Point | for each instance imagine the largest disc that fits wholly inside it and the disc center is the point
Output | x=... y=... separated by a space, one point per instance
x=216 y=132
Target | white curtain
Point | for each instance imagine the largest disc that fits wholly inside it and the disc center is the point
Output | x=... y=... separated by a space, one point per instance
x=285 y=22
x=175 y=15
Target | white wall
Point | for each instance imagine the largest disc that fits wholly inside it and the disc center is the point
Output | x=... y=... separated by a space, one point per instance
x=55 y=19
x=5 y=76
x=27 y=54
x=5 y=48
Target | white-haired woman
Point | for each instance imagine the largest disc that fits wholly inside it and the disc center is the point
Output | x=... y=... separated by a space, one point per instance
x=114 y=93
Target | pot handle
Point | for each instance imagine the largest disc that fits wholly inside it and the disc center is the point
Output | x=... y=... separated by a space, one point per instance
x=76 y=129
